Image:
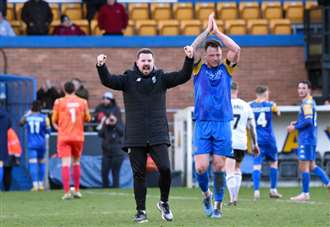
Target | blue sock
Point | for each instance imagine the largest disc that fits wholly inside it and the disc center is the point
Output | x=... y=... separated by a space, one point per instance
x=306 y=177
x=33 y=167
x=256 y=179
x=42 y=170
x=203 y=181
x=219 y=186
x=322 y=175
x=273 y=178
x=1 y=177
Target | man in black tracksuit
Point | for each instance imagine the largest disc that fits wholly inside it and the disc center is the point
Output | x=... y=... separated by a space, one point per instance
x=144 y=89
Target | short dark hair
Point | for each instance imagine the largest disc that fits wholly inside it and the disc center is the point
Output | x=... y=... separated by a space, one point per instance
x=212 y=43
x=64 y=17
x=144 y=51
x=307 y=82
x=35 y=106
x=261 y=89
x=234 y=86
x=69 y=87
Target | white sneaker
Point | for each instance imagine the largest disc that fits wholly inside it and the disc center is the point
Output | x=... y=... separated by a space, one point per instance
x=275 y=195
x=256 y=195
x=76 y=195
x=302 y=197
x=67 y=196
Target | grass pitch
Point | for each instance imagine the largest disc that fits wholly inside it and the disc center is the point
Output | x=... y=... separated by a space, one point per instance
x=117 y=207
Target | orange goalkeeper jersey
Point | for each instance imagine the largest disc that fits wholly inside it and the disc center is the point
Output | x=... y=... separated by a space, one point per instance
x=69 y=114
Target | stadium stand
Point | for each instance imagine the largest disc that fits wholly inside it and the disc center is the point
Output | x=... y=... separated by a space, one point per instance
x=326 y=162
x=249 y=10
x=190 y=27
x=288 y=166
x=272 y=11
x=169 y=27
x=161 y=11
x=138 y=11
x=203 y=10
x=183 y=11
x=235 y=27
x=146 y=27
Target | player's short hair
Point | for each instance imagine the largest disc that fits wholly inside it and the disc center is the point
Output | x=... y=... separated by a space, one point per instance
x=261 y=89
x=35 y=106
x=143 y=51
x=69 y=87
x=212 y=43
x=307 y=82
x=234 y=86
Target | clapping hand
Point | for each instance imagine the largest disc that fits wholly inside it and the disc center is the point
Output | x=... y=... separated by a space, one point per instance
x=189 y=50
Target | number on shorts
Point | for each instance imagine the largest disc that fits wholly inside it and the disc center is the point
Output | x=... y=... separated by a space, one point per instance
x=262 y=119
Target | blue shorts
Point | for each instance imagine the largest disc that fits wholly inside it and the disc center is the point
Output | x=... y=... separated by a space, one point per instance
x=268 y=152
x=36 y=153
x=212 y=137
x=306 y=152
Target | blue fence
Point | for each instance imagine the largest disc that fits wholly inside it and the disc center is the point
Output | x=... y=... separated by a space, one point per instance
x=18 y=92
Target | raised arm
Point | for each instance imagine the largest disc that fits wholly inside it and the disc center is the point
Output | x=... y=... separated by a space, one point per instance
x=199 y=40
x=234 y=50
x=107 y=79
x=173 y=79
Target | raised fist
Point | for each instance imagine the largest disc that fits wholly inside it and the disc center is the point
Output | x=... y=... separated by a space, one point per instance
x=100 y=60
x=189 y=50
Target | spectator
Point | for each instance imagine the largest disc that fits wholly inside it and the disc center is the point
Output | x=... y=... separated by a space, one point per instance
x=47 y=94
x=112 y=18
x=5 y=159
x=67 y=27
x=3 y=7
x=111 y=131
x=37 y=15
x=81 y=91
x=92 y=7
x=5 y=27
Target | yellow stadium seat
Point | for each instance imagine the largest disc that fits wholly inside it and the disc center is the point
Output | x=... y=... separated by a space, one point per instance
x=203 y=10
x=235 y=27
x=18 y=10
x=227 y=11
x=280 y=26
x=83 y=24
x=53 y=25
x=183 y=11
x=17 y=27
x=257 y=27
x=55 y=10
x=271 y=10
x=146 y=27
x=73 y=10
x=190 y=27
x=161 y=11
x=130 y=30
x=294 y=11
x=138 y=11
x=249 y=10
x=168 y=27
x=219 y=24
x=10 y=12
x=315 y=11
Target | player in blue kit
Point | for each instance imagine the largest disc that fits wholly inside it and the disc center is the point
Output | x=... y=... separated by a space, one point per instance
x=307 y=140
x=37 y=127
x=213 y=113
x=263 y=111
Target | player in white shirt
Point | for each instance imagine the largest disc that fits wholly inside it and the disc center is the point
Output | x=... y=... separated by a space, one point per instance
x=243 y=121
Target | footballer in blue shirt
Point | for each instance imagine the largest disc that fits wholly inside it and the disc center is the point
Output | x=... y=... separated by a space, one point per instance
x=37 y=127
x=307 y=140
x=213 y=113
x=263 y=111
